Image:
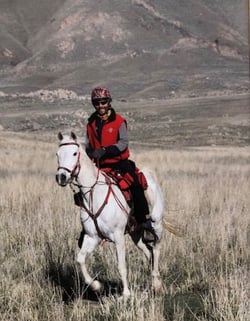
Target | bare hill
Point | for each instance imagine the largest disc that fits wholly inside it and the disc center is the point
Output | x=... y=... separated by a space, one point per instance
x=139 y=48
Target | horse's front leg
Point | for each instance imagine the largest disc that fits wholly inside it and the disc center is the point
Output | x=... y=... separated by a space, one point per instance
x=88 y=246
x=121 y=253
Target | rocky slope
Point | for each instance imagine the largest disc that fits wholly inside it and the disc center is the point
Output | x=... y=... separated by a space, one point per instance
x=139 y=48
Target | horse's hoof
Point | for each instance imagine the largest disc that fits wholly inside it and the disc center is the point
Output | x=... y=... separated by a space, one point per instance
x=96 y=286
x=126 y=293
x=159 y=290
x=158 y=287
x=125 y=296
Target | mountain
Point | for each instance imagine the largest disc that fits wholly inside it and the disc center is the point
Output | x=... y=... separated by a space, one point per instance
x=139 y=48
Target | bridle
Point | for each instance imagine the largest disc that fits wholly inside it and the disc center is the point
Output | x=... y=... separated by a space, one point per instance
x=76 y=168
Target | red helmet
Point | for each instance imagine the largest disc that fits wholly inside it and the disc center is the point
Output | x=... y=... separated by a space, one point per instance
x=100 y=93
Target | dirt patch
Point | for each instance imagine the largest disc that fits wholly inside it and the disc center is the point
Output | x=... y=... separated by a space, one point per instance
x=174 y=123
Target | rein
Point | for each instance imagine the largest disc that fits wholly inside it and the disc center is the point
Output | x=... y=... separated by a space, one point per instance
x=96 y=215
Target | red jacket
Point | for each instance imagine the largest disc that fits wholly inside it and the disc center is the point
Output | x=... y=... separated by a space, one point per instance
x=109 y=136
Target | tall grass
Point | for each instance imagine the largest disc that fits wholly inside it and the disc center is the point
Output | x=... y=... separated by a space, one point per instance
x=206 y=273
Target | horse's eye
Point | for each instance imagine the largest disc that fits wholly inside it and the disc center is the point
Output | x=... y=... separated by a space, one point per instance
x=75 y=154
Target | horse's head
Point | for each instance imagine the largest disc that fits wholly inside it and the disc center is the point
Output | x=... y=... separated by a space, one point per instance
x=68 y=158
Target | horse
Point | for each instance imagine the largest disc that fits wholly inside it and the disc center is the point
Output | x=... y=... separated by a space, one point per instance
x=105 y=212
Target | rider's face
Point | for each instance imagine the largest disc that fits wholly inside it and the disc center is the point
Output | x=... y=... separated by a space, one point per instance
x=102 y=107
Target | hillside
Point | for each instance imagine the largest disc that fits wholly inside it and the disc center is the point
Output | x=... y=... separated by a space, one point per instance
x=139 y=48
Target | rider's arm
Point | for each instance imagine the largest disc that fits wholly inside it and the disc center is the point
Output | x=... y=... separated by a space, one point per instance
x=122 y=142
x=89 y=150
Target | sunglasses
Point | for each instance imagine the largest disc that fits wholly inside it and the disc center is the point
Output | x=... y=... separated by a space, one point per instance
x=100 y=102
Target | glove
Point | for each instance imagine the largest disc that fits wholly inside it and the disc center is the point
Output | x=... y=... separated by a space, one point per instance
x=112 y=151
x=89 y=151
x=99 y=153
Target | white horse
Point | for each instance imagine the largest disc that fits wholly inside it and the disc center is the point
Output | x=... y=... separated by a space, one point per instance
x=105 y=212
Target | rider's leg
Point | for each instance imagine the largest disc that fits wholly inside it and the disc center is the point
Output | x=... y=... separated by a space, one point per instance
x=141 y=208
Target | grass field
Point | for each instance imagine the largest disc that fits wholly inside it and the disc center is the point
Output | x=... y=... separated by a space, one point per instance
x=206 y=273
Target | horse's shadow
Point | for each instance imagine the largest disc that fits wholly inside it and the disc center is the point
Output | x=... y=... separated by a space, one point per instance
x=68 y=279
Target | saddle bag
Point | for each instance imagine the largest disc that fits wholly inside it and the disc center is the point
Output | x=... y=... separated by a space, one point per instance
x=141 y=178
x=124 y=181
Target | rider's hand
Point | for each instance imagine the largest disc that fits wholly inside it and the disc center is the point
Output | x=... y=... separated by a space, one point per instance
x=99 y=153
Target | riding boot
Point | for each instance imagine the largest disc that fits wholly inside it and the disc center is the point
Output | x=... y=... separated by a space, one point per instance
x=149 y=235
x=141 y=208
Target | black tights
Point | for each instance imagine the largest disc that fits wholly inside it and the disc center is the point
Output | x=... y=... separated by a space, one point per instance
x=141 y=208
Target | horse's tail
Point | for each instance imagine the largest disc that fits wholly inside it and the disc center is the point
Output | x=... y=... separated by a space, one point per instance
x=156 y=199
x=173 y=228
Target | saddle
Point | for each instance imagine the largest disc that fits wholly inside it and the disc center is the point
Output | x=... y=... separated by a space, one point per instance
x=124 y=181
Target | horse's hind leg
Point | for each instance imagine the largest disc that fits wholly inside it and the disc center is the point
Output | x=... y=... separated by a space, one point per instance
x=156 y=278
x=152 y=253
x=88 y=246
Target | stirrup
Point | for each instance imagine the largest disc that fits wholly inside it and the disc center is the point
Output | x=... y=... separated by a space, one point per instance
x=149 y=236
x=148 y=233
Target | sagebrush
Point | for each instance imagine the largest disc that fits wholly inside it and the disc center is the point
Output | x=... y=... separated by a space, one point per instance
x=206 y=272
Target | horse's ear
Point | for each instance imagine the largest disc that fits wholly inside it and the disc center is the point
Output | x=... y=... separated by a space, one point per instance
x=73 y=135
x=60 y=136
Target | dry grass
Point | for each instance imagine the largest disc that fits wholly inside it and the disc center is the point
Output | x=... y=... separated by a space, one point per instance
x=206 y=273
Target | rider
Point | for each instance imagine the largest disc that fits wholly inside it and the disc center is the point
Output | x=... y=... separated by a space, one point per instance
x=107 y=144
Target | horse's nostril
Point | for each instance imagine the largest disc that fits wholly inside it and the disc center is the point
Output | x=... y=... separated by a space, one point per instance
x=63 y=178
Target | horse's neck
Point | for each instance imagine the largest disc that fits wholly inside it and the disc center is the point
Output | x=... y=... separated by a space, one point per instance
x=89 y=173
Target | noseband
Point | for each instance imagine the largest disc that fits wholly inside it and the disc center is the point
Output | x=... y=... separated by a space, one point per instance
x=77 y=165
